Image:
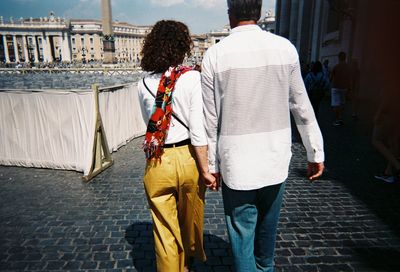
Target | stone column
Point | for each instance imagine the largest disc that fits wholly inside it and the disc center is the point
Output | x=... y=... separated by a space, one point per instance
x=6 y=53
x=36 y=49
x=284 y=19
x=48 y=49
x=16 y=54
x=300 y=24
x=108 y=42
x=294 y=21
x=51 y=50
x=305 y=30
x=65 y=47
x=116 y=48
x=25 y=45
x=317 y=32
x=44 y=48
x=278 y=7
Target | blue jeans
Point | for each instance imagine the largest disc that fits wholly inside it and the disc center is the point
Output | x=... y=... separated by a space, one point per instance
x=252 y=221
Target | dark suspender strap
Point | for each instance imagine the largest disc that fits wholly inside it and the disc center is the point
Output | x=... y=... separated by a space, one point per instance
x=176 y=117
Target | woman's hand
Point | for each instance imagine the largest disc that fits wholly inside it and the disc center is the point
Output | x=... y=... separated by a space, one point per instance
x=210 y=181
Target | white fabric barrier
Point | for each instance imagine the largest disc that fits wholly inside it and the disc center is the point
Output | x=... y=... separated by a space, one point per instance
x=55 y=129
x=121 y=115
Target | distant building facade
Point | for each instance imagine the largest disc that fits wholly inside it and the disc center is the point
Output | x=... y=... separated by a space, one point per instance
x=200 y=46
x=202 y=42
x=86 y=40
x=55 y=39
x=268 y=22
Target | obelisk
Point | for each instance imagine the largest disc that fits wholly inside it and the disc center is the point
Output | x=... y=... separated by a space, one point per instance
x=108 y=34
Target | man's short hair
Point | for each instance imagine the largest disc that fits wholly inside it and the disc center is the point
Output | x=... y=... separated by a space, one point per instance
x=245 y=10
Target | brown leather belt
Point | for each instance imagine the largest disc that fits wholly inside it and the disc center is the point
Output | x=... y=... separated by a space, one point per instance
x=181 y=143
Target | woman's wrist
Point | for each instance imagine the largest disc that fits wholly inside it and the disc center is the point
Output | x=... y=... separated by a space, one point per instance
x=203 y=170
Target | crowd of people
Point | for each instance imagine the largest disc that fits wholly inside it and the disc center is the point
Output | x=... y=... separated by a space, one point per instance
x=342 y=84
x=51 y=65
x=75 y=64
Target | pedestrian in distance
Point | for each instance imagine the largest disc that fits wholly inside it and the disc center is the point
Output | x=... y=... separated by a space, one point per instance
x=317 y=84
x=251 y=81
x=176 y=173
x=341 y=86
x=326 y=69
x=386 y=138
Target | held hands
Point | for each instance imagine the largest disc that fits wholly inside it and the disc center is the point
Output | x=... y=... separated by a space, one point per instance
x=211 y=180
x=315 y=170
x=217 y=183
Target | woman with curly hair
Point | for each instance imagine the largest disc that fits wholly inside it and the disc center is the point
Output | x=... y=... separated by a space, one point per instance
x=174 y=179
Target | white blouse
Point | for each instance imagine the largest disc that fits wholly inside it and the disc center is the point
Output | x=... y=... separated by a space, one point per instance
x=187 y=105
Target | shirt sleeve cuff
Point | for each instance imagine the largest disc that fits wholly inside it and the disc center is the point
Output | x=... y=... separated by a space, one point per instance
x=318 y=156
x=198 y=142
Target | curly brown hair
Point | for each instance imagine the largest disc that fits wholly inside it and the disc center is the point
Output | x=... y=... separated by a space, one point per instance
x=166 y=45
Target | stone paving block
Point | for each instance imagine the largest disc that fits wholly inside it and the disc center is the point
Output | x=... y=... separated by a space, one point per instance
x=89 y=265
x=71 y=265
x=83 y=256
x=35 y=265
x=308 y=268
x=106 y=264
x=290 y=269
x=53 y=265
x=124 y=263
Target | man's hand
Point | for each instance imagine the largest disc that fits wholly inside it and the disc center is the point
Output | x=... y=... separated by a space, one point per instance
x=315 y=170
x=217 y=181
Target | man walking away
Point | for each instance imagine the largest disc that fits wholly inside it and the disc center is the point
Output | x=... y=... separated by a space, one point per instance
x=251 y=81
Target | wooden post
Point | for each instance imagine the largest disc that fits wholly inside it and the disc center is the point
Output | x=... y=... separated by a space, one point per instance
x=101 y=156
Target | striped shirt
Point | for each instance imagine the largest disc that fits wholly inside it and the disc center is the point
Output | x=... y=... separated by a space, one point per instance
x=251 y=82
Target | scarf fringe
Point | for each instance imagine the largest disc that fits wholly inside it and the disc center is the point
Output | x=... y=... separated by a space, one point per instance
x=152 y=150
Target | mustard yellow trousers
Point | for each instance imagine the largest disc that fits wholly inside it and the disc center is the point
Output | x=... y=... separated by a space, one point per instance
x=176 y=201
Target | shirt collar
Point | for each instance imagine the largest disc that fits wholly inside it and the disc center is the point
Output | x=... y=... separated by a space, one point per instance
x=245 y=28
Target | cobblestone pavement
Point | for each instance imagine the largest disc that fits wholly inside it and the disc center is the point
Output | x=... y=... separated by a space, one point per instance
x=50 y=220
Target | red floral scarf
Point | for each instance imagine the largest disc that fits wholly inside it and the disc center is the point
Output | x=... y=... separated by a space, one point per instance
x=158 y=126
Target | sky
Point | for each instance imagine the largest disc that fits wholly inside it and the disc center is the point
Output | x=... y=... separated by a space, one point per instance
x=201 y=16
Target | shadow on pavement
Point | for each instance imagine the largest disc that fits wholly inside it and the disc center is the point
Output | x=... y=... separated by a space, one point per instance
x=140 y=236
x=378 y=259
